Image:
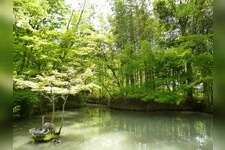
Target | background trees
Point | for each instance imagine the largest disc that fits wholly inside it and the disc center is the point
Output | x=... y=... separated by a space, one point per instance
x=160 y=51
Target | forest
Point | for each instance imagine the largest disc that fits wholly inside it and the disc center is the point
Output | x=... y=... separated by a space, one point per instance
x=125 y=54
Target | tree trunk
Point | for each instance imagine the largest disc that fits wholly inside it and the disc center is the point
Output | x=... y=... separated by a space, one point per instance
x=189 y=81
x=140 y=78
x=53 y=109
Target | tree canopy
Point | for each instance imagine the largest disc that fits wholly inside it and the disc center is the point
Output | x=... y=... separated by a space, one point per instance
x=149 y=50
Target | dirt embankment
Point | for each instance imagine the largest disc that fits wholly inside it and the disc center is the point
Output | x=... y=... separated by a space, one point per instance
x=139 y=105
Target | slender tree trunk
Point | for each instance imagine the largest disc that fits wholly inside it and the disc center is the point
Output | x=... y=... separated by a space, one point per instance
x=53 y=109
x=69 y=22
x=208 y=92
x=132 y=79
x=53 y=106
x=146 y=77
x=127 y=80
x=174 y=81
x=23 y=62
x=64 y=105
x=81 y=13
x=189 y=81
x=140 y=78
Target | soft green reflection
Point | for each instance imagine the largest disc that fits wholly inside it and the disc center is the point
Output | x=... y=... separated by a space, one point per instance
x=105 y=129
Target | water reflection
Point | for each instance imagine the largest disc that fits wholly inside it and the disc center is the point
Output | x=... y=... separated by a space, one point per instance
x=101 y=128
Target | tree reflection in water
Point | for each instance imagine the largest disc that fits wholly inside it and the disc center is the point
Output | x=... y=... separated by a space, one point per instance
x=193 y=130
x=102 y=128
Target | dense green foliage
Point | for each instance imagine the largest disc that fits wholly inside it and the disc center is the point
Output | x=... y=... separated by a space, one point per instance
x=25 y=103
x=152 y=51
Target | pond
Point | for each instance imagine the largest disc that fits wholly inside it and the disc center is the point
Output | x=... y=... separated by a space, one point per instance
x=94 y=128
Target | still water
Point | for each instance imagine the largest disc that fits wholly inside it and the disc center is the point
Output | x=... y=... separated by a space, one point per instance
x=93 y=128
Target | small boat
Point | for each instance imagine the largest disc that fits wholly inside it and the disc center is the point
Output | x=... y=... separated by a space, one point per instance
x=46 y=134
x=42 y=135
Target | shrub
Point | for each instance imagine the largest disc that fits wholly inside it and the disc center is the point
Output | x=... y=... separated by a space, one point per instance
x=27 y=101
